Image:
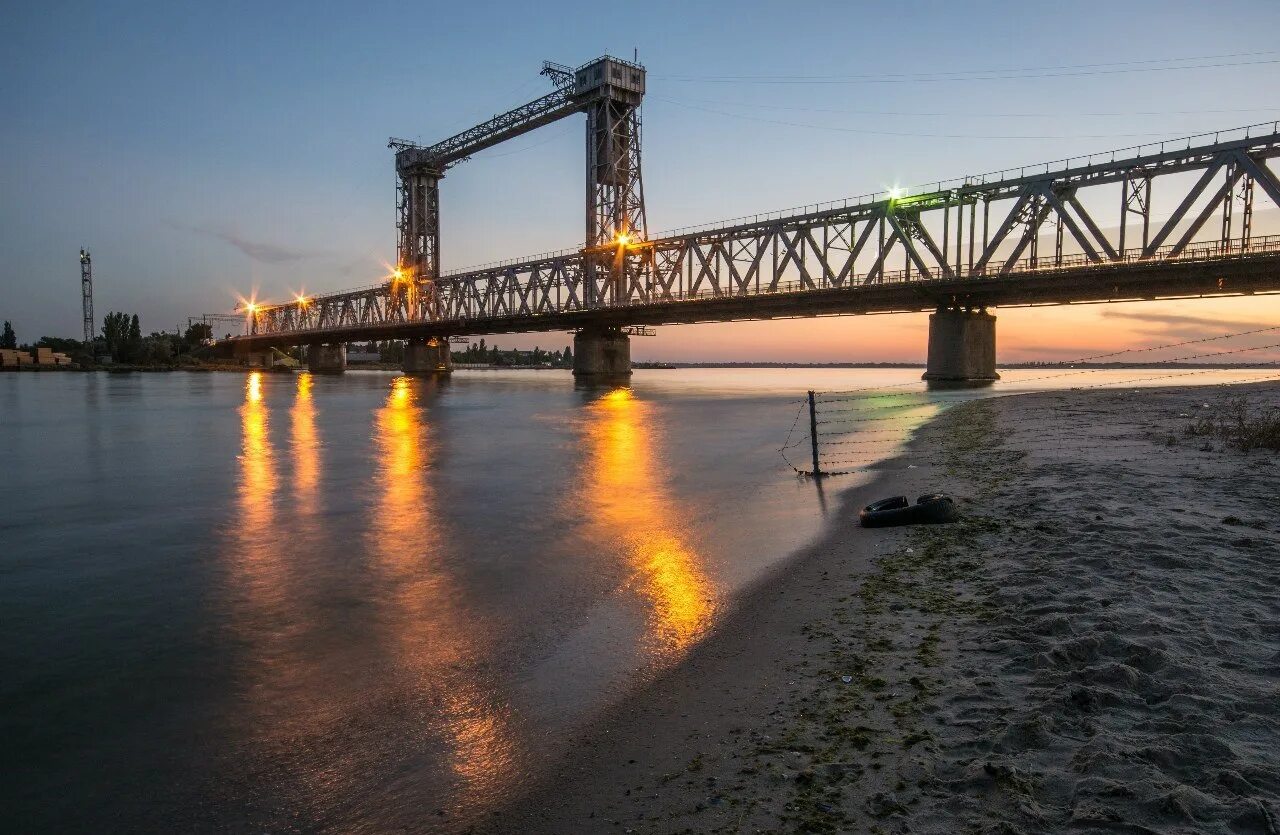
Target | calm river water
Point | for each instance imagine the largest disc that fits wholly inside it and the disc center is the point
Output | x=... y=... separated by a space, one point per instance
x=286 y=602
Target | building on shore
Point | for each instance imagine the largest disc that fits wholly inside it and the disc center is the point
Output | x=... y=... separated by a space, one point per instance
x=41 y=357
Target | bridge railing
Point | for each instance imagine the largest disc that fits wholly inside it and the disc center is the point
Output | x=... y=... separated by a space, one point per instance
x=1209 y=139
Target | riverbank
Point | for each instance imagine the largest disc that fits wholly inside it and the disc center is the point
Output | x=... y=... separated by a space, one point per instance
x=1093 y=646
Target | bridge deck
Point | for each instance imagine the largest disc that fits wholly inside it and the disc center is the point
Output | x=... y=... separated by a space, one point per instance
x=1197 y=273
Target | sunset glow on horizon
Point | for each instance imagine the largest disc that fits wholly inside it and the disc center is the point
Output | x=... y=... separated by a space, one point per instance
x=754 y=123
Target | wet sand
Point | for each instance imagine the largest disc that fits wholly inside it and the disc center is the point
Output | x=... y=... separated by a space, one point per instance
x=1096 y=646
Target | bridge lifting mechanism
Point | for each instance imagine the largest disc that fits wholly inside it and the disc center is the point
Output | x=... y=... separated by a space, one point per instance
x=1083 y=229
x=609 y=91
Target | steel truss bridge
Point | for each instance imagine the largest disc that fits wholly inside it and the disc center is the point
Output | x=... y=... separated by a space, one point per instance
x=1076 y=230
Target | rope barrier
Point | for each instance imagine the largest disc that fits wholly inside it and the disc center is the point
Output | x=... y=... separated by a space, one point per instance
x=827 y=465
x=1053 y=377
x=1094 y=357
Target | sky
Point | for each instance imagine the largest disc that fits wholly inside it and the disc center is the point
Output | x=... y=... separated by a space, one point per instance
x=204 y=151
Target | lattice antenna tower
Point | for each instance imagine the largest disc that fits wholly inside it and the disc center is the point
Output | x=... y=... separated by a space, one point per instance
x=86 y=292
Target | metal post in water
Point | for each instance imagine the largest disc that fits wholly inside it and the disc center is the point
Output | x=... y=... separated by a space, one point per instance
x=813 y=434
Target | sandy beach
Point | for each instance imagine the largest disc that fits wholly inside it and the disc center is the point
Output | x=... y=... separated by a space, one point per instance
x=1095 y=646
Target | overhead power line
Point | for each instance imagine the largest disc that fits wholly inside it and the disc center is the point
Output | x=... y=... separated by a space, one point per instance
x=959 y=114
x=920 y=134
x=1069 y=70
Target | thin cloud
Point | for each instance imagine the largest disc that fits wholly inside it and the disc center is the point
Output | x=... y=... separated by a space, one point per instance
x=263 y=252
x=1059 y=353
x=1172 y=321
x=1181 y=333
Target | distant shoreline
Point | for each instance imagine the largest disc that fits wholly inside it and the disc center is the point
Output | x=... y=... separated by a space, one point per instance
x=656 y=366
x=1010 y=365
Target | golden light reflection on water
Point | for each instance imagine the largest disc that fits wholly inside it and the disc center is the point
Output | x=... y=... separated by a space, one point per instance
x=625 y=489
x=306 y=450
x=434 y=637
x=258 y=475
x=259 y=575
x=289 y=711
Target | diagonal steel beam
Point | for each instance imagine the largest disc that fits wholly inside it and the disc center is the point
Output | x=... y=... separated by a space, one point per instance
x=1185 y=206
x=792 y=255
x=988 y=251
x=1032 y=230
x=817 y=250
x=705 y=271
x=1089 y=223
x=673 y=266
x=1261 y=174
x=847 y=270
x=912 y=252
x=762 y=247
x=1223 y=193
x=1070 y=223
x=736 y=281
x=877 y=269
x=932 y=246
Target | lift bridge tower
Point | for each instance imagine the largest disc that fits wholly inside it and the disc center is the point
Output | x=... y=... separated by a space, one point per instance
x=609 y=91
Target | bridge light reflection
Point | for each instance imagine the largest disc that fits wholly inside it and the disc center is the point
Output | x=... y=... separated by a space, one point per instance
x=258 y=481
x=625 y=478
x=287 y=707
x=432 y=634
x=306 y=453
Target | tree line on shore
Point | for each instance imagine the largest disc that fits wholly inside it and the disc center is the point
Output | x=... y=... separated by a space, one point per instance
x=120 y=341
x=476 y=353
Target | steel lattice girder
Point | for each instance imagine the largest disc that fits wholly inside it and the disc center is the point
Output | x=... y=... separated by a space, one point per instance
x=820 y=251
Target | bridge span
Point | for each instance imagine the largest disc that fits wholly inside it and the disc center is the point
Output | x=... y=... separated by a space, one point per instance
x=1072 y=231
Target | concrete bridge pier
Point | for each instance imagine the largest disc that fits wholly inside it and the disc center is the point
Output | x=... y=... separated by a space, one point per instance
x=962 y=347
x=253 y=359
x=601 y=356
x=427 y=356
x=327 y=359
